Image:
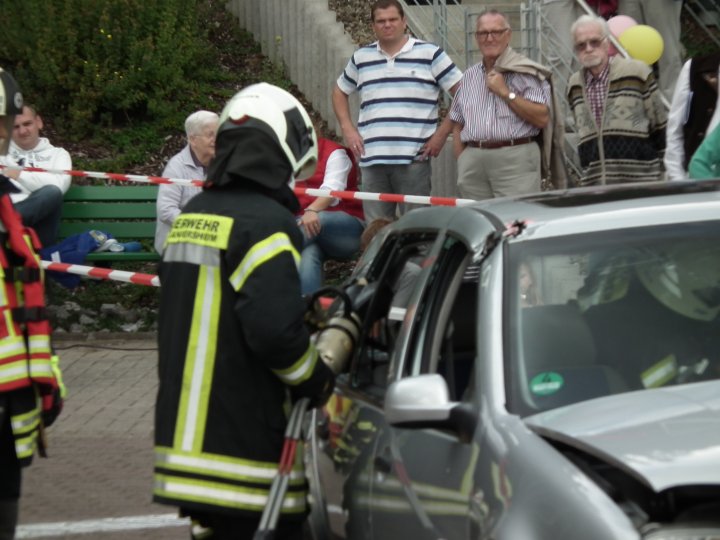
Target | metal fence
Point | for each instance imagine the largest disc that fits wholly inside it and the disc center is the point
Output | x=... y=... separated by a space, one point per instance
x=451 y=24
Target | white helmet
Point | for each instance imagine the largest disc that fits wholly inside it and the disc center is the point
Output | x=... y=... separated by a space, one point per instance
x=11 y=104
x=685 y=277
x=282 y=117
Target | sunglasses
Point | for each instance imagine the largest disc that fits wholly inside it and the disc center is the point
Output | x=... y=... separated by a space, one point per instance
x=594 y=44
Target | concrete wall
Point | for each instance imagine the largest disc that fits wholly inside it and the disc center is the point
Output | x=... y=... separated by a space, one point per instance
x=305 y=36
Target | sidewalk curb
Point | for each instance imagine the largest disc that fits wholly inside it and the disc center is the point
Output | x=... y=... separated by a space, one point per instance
x=104 y=336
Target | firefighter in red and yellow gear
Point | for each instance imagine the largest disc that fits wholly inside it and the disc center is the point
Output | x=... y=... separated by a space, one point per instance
x=31 y=390
x=233 y=349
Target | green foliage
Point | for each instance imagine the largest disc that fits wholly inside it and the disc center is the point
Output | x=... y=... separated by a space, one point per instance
x=96 y=63
x=119 y=77
x=122 y=75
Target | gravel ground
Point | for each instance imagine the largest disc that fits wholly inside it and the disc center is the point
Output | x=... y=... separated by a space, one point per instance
x=355 y=15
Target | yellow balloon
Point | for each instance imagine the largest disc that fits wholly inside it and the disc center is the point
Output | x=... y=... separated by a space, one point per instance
x=642 y=42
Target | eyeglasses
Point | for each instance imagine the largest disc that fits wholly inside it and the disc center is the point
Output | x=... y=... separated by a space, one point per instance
x=594 y=44
x=484 y=35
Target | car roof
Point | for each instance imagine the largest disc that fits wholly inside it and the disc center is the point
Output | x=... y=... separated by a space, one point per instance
x=583 y=210
x=573 y=211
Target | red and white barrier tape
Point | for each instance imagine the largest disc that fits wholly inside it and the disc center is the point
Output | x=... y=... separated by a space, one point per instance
x=103 y=273
x=360 y=195
x=108 y=176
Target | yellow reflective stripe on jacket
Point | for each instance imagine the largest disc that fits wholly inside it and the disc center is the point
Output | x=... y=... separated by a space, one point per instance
x=223 y=494
x=39 y=344
x=39 y=352
x=57 y=372
x=223 y=480
x=13 y=372
x=26 y=422
x=40 y=368
x=256 y=472
x=12 y=346
x=34 y=254
x=301 y=370
x=25 y=446
x=13 y=360
x=25 y=429
x=5 y=305
x=199 y=361
x=260 y=253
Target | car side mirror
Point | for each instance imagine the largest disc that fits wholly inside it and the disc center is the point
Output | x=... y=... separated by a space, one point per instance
x=423 y=401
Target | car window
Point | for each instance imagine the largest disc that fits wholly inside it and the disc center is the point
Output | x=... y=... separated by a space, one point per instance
x=604 y=313
x=392 y=281
x=445 y=340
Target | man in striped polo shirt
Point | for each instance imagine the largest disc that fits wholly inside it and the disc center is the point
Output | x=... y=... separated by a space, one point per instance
x=399 y=79
x=501 y=107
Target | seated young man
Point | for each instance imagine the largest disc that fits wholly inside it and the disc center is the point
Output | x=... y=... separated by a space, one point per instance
x=40 y=196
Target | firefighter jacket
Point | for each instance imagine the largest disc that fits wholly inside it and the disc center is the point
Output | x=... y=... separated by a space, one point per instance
x=31 y=389
x=233 y=349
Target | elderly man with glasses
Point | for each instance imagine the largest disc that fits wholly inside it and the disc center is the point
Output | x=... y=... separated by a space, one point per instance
x=505 y=117
x=618 y=110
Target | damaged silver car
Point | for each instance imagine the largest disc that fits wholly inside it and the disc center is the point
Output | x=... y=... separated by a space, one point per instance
x=538 y=368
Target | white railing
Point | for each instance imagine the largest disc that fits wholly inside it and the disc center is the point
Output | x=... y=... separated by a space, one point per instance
x=703 y=16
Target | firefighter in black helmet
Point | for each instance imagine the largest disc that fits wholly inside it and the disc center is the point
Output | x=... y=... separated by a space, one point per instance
x=233 y=349
x=31 y=388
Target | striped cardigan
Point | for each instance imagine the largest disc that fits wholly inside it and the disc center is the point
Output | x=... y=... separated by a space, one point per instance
x=629 y=145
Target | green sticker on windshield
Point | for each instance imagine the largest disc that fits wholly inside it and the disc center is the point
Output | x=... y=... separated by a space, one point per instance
x=546 y=383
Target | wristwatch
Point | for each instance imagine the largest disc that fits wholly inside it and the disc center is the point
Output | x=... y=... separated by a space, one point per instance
x=511 y=96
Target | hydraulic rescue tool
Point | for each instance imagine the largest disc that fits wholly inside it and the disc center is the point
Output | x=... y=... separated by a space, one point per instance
x=337 y=329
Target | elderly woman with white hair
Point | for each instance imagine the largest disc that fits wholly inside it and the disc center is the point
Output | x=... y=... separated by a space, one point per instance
x=190 y=163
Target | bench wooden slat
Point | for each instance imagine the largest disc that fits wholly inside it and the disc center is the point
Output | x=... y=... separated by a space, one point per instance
x=108 y=211
x=122 y=230
x=138 y=256
x=112 y=193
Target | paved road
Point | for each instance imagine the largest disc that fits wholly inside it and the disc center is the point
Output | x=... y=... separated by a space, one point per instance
x=97 y=481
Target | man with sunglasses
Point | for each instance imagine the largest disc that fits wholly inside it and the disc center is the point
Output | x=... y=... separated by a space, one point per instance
x=503 y=104
x=557 y=17
x=617 y=106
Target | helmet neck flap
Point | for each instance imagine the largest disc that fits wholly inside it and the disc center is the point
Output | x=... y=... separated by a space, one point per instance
x=248 y=155
x=250 y=159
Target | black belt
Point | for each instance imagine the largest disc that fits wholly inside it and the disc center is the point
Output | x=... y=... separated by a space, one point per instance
x=500 y=144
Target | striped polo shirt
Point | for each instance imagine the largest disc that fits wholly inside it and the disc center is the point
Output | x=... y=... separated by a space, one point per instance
x=486 y=116
x=398 y=98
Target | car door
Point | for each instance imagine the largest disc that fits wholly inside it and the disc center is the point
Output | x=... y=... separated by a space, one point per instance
x=347 y=431
x=422 y=481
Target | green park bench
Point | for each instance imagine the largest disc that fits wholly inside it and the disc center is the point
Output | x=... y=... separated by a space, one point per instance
x=127 y=212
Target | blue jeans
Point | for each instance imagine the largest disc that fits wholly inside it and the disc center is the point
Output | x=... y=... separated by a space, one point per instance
x=339 y=238
x=41 y=211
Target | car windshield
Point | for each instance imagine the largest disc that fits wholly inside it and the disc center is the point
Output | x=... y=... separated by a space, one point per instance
x=610 y=312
